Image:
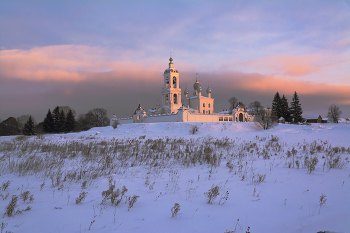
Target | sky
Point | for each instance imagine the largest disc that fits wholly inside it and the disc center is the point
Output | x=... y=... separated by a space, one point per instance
x=112 y=54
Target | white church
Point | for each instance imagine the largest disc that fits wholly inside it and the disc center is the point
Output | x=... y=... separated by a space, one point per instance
x=196 y=108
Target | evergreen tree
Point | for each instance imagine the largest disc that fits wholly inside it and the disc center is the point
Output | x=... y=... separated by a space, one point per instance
x=70 y=122
x=276 y=105
x=29 y=127
x=56 y=120
x=295 y=108
x=285 y=109
x=48 y=125
x=62 y=122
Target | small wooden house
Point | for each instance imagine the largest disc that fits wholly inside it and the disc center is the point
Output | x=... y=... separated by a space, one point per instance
x=313 y=119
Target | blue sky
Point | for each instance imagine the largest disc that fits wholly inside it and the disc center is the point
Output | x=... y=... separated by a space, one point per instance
x=55 y=51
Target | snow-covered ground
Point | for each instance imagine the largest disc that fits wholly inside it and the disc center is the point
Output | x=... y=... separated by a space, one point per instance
x=265 y=178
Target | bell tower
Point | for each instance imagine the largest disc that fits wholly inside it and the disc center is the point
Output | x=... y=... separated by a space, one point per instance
x=171 y=92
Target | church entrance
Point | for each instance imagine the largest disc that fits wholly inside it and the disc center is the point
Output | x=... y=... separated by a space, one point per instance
x=240 y=117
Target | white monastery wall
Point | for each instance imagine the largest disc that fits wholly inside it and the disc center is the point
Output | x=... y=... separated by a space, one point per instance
x=197 y=117
x=161 y=118
x=178 y=117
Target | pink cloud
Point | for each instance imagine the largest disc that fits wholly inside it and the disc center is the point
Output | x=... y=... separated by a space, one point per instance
x=65 y=63
x=264 y=83
x=295 y=66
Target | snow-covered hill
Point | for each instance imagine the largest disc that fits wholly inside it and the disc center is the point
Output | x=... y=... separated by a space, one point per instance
x=271 y=180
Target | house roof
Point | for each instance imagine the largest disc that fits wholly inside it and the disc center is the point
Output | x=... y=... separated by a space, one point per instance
x=311 y=117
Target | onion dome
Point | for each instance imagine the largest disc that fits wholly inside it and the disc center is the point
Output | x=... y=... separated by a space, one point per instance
x=171 y=64
x=196 y=85
x=208 y=90
x=185 y=91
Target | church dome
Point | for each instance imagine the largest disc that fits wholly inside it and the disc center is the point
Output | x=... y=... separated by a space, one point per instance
x=208 y=90
x=196 y=85
x=171 y=67
x=185 y=91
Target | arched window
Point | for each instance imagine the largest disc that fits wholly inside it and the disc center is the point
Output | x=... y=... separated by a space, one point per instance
x=175 y=98
x=174 y=82
x=166 y=99
x=167 y=82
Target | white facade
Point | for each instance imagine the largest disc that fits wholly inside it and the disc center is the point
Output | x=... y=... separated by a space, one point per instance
x=202 y=104
x=171 y=92
x=241 y=114
x=197 y=108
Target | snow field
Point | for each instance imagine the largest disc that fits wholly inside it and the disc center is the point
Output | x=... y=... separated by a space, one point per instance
x=287 y=200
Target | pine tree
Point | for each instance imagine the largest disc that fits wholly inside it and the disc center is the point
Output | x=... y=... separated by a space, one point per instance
x=48 y=125
x=285 y=109
x=276 y=105
x=70 y=122
x=29 y=127
x=62 y=122
x=56 y=120
x=295 y=108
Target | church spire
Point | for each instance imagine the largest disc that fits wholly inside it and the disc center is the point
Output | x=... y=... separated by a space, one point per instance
x=171 y=64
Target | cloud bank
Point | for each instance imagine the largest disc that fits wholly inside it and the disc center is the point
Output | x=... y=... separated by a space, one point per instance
x=84 y=78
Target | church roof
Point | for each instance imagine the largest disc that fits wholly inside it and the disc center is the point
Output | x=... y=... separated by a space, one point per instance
x=196 y=97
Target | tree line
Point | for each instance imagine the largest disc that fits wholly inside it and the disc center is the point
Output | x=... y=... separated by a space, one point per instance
x=280 y=108
x=60 y=120
x=267 y=118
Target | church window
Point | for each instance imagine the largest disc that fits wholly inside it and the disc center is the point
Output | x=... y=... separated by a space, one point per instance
x=174 y=82
x=203 y=105
x=175 y=99
x=167 y=82
x=166 y=99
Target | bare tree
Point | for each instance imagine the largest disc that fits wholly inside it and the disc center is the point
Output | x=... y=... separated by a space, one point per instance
x=233 y=103
x=99 y=117
x=93 y=118
x=266 y=120
x=23 y=119
x=334 y=113
x=255 y=108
